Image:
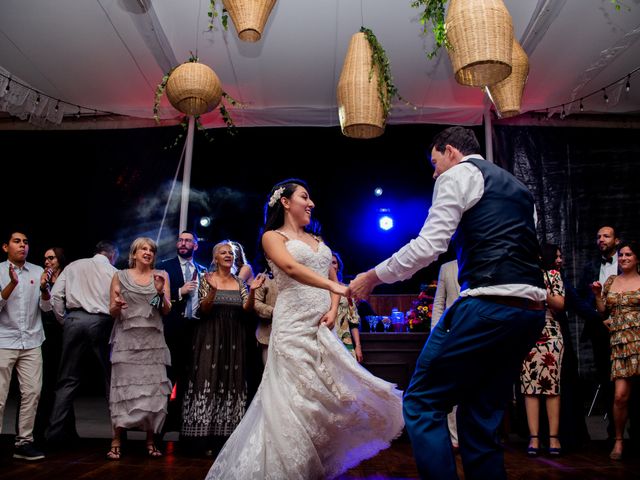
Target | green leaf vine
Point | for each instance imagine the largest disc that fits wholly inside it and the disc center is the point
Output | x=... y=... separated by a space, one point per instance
x=213 y=14
x=434 y=13
x=387 y=90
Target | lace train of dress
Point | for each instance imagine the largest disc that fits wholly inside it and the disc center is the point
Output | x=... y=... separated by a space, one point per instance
x=317 y=412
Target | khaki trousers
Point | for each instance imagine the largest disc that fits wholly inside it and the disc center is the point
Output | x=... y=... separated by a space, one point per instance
x=28 y=365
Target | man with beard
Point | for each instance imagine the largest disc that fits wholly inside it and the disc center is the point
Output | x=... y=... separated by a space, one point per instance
x=599 y=269
x=183 y=280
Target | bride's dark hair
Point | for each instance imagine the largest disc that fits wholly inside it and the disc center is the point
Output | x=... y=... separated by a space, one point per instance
x=274 y=211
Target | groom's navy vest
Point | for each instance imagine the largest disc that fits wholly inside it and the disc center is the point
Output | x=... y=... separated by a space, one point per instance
x=496 y=239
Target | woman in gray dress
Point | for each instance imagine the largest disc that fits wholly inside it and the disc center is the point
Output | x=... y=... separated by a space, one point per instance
x=139 y=355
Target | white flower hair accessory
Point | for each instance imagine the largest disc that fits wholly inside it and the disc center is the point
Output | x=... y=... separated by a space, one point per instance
x=276 y=196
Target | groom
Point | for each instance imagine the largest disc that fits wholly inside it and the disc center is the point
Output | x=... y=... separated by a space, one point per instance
x=474 y=354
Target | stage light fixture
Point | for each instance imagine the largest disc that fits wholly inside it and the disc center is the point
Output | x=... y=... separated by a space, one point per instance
x=378 y=191
x=205 y=221
x=385 y=222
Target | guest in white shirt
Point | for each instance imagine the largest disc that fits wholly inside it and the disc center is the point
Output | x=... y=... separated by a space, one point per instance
x=80 y=299
x=24 y=294
x=447 y=292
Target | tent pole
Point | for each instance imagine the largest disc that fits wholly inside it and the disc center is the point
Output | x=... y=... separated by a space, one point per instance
x=186 y=176
x=488 y=135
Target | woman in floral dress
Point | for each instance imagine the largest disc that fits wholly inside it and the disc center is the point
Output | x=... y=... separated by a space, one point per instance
x=540 y=374
x=619 y=300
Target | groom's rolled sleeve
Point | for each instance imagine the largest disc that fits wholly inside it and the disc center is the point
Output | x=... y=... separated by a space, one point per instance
x=455 y=191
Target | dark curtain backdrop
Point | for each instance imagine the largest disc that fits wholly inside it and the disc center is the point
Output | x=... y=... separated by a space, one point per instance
x=581 y=178
x=73 y=188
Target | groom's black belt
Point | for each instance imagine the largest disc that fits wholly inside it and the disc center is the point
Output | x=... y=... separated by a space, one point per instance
x=517 y=302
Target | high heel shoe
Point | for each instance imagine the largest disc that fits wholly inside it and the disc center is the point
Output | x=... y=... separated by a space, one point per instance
x=554 y=451
x=616 y=455
x=532 y=451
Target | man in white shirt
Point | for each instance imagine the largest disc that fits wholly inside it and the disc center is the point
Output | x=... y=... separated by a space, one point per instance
x=80 y=299
x=23 y=295
x=475 y=351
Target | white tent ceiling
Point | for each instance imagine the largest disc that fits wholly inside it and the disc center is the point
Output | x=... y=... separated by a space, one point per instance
x=109 y=55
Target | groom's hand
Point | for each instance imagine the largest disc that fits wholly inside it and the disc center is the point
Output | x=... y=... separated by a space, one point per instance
x=361 y=287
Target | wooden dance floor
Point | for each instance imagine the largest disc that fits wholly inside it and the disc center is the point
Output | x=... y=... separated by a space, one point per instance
x=87 y=460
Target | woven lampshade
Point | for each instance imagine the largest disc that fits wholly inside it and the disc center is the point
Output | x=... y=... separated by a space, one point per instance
x=249 y=17
x=193 y=88
x=359 y=106
x=507 y=94
x=481 y=36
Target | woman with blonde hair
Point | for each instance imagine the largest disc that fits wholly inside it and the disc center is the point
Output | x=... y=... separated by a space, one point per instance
x=140 y=387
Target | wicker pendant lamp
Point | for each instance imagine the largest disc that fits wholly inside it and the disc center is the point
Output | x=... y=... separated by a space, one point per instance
x=507 y=94
x=359 y=107
x=249 y=17
x=193 y=88
x=481 y=36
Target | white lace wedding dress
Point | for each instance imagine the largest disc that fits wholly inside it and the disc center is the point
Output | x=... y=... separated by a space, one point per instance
x=317 y=412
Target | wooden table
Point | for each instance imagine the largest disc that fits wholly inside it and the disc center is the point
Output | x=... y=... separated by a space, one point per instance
x=392 y=356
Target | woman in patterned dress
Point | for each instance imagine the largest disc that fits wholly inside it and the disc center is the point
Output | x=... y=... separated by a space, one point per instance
x=347 y=319
x=140 y=387
x=619 y=300
x=540 y=374
x=216 y=393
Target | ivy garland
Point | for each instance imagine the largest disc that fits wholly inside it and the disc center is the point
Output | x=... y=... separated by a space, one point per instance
x=387 y=90
x=433 y=12
x=213 y=13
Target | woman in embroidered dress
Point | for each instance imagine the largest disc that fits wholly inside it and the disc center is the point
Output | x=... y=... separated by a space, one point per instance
x=619 y=300
x=347 y=319
x=317 y=412
x=540 y=374
x=139 y=355
x=216 y=393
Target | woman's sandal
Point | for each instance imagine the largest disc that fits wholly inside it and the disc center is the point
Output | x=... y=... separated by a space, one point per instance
x=555 y=451
x=532 y=451
x=616 y=455
x=114 y=452
x=152 y=451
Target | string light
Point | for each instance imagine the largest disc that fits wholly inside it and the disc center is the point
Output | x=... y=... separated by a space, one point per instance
x=41 y=95
x=602 y=90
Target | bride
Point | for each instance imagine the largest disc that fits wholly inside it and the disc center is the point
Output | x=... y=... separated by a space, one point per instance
x=317 y=412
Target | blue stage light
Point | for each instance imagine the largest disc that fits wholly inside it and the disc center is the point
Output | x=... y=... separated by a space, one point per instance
x=378 y=191
x=385 y=222
x=205 y=221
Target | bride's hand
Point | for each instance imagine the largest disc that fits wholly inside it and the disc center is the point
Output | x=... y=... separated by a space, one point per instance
x=339 y=289
x=328 y=319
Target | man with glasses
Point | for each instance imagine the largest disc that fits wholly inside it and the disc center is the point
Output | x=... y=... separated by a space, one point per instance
x=183 y=273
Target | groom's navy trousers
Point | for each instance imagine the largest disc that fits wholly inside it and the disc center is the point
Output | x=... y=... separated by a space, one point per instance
x=471 y=359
